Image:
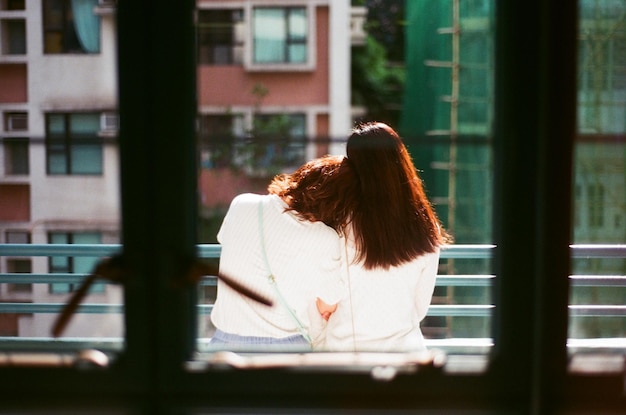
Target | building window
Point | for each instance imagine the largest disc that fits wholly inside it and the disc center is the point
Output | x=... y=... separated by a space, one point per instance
x=72 y=265
x=14 y=5
x=13 y=36
x=280 y=35
x=19 y=266
x=220 y=135
x=17 y=237
x=16 y=156
x=71 y=26
x=15 y=121
x=220 y=36
x=72 y=144
x=279 y=141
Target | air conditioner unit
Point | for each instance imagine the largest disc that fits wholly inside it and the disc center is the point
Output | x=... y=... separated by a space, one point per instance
x=16 y=121
x=109 y=123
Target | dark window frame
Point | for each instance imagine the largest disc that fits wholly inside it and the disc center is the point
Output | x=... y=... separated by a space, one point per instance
x=527 y=372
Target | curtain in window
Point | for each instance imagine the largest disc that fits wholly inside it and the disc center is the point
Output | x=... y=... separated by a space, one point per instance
x=87 y=24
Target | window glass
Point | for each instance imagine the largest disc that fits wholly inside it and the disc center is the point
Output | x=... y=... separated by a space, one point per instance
x=598 y=291
x=220 y=135
x=279 y=35
x=279 y=141
x=74 y=146
x=59 y=165
x=16 y=161
x=442 y=64
x=220 y=36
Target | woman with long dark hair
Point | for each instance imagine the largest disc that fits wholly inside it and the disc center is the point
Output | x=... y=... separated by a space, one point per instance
x=392 y=248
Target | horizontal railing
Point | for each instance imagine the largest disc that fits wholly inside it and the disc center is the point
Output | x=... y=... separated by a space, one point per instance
x=213 y=251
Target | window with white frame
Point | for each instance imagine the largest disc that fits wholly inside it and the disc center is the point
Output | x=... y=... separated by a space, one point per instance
x=280 y=35
x=73 y=145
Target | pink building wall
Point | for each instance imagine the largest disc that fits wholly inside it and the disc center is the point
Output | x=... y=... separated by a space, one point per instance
x=220 y=186
x=14 y=202
x=13 y=83
x=232 y=85
x=225 y=86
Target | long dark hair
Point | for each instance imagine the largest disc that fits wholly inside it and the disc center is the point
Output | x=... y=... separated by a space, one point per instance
x=323 y=189
x=394 y=221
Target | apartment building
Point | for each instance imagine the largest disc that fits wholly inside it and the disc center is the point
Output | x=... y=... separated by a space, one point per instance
x=58 y=160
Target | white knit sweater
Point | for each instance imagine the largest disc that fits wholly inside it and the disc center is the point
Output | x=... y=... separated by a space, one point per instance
x=383 y=308
x=305 y=258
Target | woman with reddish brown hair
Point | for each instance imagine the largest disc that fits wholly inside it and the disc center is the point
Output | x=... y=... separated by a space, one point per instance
x=391 y=251
x=284 y=245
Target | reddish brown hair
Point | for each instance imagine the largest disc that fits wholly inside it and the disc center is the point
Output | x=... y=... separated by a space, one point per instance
x=323 y=190
x=394 y=221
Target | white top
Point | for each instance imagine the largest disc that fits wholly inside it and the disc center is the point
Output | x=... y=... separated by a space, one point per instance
x=304 y=256
x=383 y=309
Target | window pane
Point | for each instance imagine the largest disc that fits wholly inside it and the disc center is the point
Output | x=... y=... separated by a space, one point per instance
x=57 y=161
x=297 y=53
x=599 y=280
x=84 y=124
x=270 y=31
x=16 y=156
x=78 y=149
x=297 y=24
x=56 y=125
x=219 y=39
x=86 y=159
x=446 y=122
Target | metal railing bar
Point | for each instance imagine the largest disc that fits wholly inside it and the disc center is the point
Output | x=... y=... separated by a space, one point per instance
x=442 y=280
x=95 y=250
x=598 y=251
x=464 y=280
x=597 y=310
x=27 y=278
x=467 y=251
x=37 y=344
x=598 y=280
x=55 y=308
x=435 y=310
x=461 y=251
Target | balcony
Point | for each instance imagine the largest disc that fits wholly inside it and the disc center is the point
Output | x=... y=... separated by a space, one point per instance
x=448 y=344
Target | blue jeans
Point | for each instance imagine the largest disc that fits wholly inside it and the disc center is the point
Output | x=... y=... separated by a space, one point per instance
x=221 y=339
